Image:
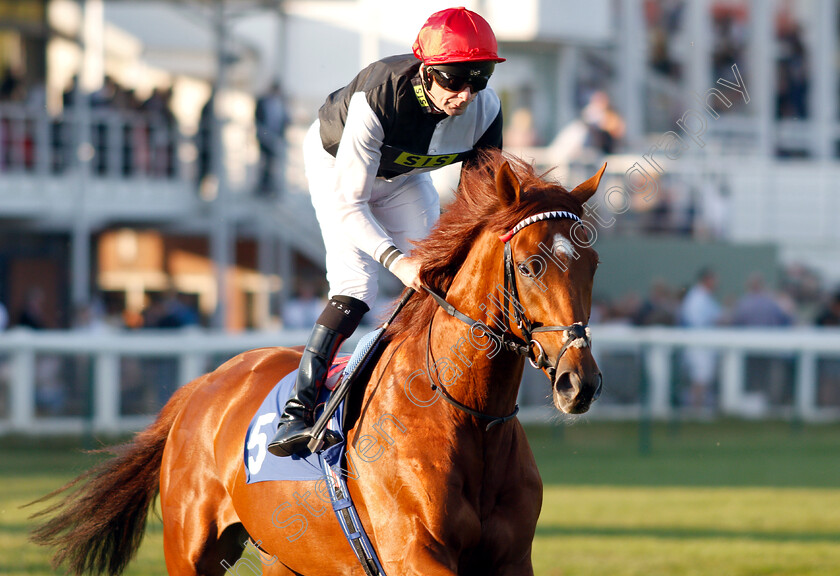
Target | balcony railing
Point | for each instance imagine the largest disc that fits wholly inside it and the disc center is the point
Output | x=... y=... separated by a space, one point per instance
x=116 y=143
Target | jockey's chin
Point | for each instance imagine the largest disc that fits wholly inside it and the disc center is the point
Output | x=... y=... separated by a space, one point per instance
x=456 y=106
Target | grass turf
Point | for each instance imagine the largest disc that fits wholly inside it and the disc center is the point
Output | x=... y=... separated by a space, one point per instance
x=723 y=498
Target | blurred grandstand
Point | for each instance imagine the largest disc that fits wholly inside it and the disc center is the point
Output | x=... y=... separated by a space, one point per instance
x=134 y=200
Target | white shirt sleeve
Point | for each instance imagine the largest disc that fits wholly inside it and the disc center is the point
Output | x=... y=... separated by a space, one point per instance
x=356 y=164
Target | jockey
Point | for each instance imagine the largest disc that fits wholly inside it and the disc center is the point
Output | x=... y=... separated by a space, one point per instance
x=367 y=159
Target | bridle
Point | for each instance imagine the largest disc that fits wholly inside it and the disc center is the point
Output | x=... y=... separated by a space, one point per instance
x=577 y=334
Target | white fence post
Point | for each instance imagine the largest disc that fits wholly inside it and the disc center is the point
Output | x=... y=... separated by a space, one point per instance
x=806 y=385
x=106 y=392
x=190 y=367
x=658 y=359
x=23 y=390
x=732 y=381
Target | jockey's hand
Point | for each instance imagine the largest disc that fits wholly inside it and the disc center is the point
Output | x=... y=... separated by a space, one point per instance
x=407 y=269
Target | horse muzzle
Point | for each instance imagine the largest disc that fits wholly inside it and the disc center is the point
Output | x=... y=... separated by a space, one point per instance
x=574 y=391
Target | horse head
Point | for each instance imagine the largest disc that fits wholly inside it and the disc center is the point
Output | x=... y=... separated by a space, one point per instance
x=514 y=259
x=549 y=271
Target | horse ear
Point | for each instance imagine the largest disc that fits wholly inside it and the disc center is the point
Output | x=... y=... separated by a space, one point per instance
x=585 y=190
x=507 y=185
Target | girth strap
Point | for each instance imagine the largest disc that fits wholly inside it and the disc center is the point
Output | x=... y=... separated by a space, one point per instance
x=348 y=519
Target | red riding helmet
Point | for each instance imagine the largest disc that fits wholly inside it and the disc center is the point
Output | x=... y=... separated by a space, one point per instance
x=456 y=35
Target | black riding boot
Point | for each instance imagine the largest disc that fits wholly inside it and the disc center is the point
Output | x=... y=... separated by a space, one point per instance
x=337 y=322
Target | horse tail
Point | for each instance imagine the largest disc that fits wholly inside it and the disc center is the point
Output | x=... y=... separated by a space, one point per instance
x=98 y=527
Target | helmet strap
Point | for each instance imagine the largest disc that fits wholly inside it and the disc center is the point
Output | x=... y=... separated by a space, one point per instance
x=426 y=78
x=426 y=81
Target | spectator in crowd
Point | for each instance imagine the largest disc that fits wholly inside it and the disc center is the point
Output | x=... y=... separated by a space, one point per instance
x=106 y=95
x=758 y=307
x=101 y=101
x=163 y=131
x=802 y=287
x=730 y=42
x=68 y=97
x=830 y=314
x=604 y=124
x=793 y=82
x=700 y=309
x=90 y=318
x=829 y=368
x=599 y=312
x=599 y=130
x=663 y=19
x=170 y=311
x=659 y=308
x=204 y=141
x=303 y=310
x=272 y=119
x=520 y=131
x=660 y=54
x=64 y=134
x=167 y=312
x=50 y=389
x=12 y=86
x=33 y=315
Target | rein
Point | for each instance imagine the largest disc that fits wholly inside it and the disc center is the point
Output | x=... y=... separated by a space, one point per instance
x=446 y=396
x=578 y=333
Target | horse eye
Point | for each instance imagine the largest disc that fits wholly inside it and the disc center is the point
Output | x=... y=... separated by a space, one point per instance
x=525 y=270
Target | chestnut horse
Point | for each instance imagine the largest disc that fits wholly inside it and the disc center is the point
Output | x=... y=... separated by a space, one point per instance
x=450 y=494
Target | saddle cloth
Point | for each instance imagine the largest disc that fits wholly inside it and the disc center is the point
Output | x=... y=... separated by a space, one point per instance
x=262 y=466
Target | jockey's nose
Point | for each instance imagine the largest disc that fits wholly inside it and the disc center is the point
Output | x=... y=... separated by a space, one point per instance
x=466 y=93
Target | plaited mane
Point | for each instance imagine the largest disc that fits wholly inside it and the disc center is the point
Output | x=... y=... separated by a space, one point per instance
x=476 y=207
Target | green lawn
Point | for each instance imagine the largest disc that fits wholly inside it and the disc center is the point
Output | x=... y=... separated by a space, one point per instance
x=717 y=499
x=722 y=499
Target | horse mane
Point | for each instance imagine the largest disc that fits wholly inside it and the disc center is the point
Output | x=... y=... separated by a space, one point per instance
x=476 y=208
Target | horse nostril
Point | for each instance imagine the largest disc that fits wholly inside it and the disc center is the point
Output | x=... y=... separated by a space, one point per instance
x=567 y=384
x=599 y=388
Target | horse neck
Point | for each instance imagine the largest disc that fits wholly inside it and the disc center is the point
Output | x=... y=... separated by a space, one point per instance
x=478 y=372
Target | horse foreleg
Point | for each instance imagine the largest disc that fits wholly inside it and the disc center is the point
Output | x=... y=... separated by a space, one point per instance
x=521 y=567
x=422 y=561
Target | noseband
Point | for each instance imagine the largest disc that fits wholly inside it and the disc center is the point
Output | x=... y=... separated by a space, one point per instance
x=577 y=335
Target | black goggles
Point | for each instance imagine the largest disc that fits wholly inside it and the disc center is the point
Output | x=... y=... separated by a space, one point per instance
x=455 y=78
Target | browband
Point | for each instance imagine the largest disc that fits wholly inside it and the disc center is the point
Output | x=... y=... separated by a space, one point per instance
x=537 y=218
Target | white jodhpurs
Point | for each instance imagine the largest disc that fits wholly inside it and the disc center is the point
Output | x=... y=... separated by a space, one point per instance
x=406 y=208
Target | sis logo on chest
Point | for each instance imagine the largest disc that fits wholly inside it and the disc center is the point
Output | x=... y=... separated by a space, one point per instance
x=421 y=161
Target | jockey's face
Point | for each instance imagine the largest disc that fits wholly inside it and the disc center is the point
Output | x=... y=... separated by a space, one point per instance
x=452 y=103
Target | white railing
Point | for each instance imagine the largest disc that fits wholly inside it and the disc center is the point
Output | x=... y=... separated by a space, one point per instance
x=194 y=352
x=658 y=348
x=27 y=352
